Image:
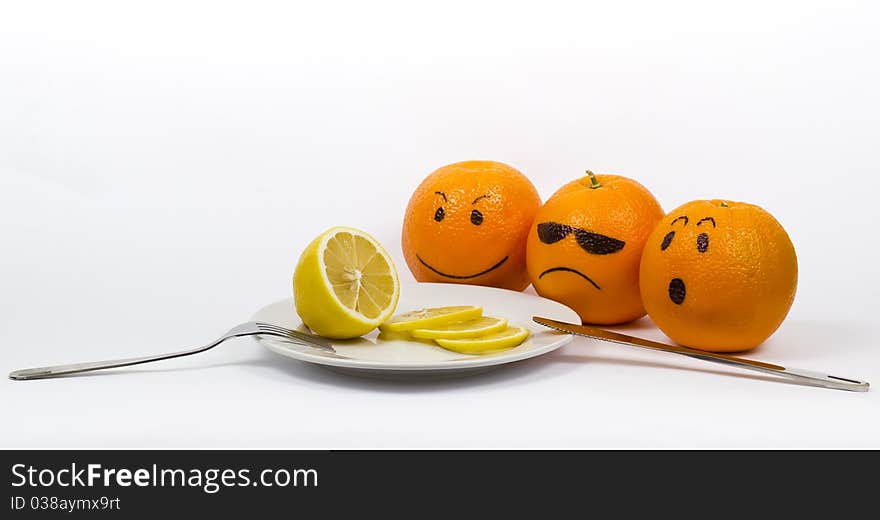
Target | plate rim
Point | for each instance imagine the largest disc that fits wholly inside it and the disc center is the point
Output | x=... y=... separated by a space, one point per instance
x=454 y=364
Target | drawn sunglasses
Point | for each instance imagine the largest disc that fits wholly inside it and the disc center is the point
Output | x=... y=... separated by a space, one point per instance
x=593 y=243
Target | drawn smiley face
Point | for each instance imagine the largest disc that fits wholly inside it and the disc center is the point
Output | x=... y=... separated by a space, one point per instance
x=476 y=219
x=468 y=222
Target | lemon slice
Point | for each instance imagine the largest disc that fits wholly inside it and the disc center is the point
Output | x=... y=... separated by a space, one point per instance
x=508 y=338
x=345 y=284
x=465 y=329
x=430 y=318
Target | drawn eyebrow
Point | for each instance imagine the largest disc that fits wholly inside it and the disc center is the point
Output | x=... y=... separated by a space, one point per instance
x=710 y=219
x=480 y=197
x=680 y=218
x=442 y=195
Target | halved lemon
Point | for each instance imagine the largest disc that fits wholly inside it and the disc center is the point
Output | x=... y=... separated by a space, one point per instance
x=508 y=338
x=465 y=329
x=430 y=318
x=345 y=284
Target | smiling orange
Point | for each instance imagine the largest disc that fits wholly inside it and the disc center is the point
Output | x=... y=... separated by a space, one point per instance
x=467 y=223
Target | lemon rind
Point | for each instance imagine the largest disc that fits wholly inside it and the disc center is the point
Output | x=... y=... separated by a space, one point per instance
x=460 y=316
x=457 y=345
x=428 y=333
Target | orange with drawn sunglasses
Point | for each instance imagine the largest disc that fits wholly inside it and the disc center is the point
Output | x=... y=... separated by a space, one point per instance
x=586 y=243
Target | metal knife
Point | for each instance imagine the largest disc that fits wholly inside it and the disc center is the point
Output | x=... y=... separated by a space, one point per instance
x=804 y=376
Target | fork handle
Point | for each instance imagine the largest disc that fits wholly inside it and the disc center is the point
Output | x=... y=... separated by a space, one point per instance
x=75 y=368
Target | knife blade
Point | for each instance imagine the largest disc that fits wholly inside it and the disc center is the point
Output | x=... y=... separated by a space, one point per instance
x=806 y=376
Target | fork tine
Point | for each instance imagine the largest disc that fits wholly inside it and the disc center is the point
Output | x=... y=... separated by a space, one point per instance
x=277 y=330
x=282 y=331
x=261 y=325
x=274 y=328
x=298 y=337
x=312 y=338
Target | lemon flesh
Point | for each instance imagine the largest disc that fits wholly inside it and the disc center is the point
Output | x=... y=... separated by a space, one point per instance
x=508 y=338
x=430 y=318
x=345 y=284
x=465 y=329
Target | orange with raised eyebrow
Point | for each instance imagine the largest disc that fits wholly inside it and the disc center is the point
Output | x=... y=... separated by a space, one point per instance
x=724 y=284
x=447 y=238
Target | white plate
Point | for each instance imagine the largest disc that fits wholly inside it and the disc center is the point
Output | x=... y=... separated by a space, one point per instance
x=371 y=355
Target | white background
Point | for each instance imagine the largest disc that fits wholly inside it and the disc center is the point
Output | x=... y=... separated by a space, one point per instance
x=162 y=165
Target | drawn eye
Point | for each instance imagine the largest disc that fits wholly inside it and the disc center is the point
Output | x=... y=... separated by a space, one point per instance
x=667 y=240
x=476 y=218
x=439 y=214
x=597 y=244
x=551 y=232
x=702 y=242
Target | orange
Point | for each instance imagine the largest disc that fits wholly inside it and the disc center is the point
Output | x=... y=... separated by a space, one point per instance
x=718 y=275
x=585 y=246
x=467 y=223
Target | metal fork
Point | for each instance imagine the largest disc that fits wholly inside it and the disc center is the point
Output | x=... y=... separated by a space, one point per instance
x=251 y=328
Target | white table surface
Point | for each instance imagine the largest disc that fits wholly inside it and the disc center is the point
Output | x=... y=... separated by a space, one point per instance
x=155 y=192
